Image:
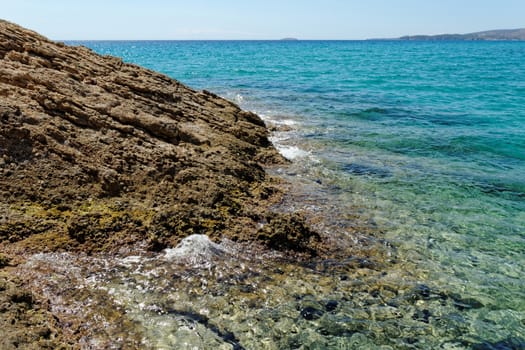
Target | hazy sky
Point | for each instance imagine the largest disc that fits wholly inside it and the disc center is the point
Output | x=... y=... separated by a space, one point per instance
x=259 y=19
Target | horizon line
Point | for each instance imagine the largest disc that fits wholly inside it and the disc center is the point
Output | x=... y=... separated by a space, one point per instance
x=283 y=40
x=401 y=39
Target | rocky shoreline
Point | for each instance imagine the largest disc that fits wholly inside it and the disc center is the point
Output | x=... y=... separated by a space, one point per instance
x=101 y=156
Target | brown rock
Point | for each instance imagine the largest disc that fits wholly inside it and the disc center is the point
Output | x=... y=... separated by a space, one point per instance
x=96 y=153
x=288 y=232
x=26 y=323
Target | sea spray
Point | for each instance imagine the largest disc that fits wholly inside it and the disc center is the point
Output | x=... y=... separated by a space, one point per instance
x=196 y=250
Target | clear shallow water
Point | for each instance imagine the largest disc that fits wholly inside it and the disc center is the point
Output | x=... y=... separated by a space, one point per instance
x=421 y=144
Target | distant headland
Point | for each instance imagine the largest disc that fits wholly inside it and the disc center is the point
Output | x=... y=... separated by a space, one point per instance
x=490 y=35
x=289 y=39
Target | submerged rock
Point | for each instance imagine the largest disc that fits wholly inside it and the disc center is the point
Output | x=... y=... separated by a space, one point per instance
x=288 y=231
x=506 y=344
x=311 y=313
x=331 y=305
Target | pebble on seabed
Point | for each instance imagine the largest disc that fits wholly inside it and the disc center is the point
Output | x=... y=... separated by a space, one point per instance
x=310 y=313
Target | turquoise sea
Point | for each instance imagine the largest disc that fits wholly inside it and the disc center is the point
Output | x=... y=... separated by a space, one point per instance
x=418 y=147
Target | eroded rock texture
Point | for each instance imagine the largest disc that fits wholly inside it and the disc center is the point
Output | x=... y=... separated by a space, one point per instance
x=96 y=154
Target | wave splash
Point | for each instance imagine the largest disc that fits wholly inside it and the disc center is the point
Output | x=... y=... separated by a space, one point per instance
x=197 y=249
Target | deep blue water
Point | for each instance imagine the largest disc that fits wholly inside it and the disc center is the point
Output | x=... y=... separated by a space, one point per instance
x=427 y=139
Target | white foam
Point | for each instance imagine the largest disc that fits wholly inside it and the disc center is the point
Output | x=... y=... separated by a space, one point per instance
x=277 y=138
x=292 y=152
x=195 y=248
x=282 y=122
x=134 y=259
x=239 y=98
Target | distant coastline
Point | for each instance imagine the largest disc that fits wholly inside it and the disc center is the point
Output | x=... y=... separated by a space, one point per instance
x=489 y=35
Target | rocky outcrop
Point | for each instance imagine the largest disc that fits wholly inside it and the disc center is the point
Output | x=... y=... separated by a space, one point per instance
x=96 y=153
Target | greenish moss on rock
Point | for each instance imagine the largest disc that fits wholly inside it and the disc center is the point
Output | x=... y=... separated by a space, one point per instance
x=288 y=232
x=95 y=153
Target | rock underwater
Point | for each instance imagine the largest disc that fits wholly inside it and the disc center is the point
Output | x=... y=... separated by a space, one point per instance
x=96 y=154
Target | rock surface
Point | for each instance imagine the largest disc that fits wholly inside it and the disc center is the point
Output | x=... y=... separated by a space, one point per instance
x=101 y=156
x=96 y=153
x=26 y=322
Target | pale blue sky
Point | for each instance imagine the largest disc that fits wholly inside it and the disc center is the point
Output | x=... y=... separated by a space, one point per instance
x=259 y=19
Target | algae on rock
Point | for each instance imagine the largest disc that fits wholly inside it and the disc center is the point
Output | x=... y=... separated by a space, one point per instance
x=112 y=154
x=99 y=156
